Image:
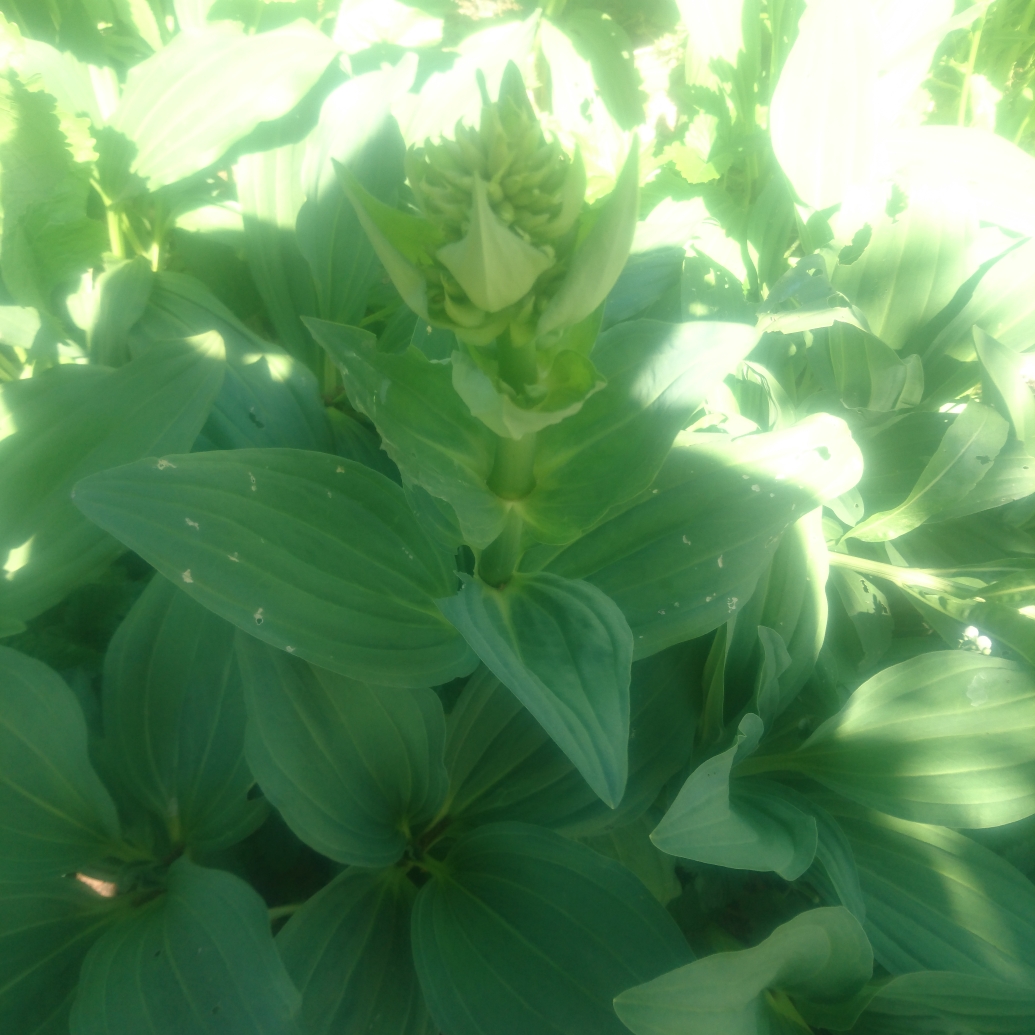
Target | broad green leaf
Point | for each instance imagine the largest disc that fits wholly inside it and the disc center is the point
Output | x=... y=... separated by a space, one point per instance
x=936 y=900
x=631 y=845
x=565 y=651
x=690 y=552
x=310 y=553
x=913 y=264
x=869 y=374
x=609 y=451
x=739 y=824
x=55 y=814
x=268 y=399
x=964 y=456
x=354 y=769
x=942 y=1001
x=1006 y=386
x=348 y=952
x=826 y=141
x=19 y=326
x=47 y=235
x=1001 y=305
x=942 y=738
x=604 y=44
x=426 y=428
x=198 y=959
x=46 y=928
x=1011 y=477
x=868 y=611
x=184 y=107
x=523 y=932
x=820 y=954
x=173 y=711
x=120 y=295
x=503 y=764
x=68 y=422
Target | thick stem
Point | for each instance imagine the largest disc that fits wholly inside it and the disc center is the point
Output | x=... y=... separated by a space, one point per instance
x=512 y=476
x=499 y=559
x=518 y=366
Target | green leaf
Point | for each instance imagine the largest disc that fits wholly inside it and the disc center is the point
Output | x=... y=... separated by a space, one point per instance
x=913 y=264
x=184 y=107
x=523 y=932
x=46 y=928
x=868 y=611
x=1005 y=386
x=1011 y=477
x=821 y=954
x=689 y=553
x=604 y=44
x=599 y=258
x=55 y=814
x=268 y=399
x=197 y=960
x=348 y=952
x=631 y=845
x=936 y=900
x=963 y=458
x=609 y=451
x=47 y=236
x=942 y=738
x=869 y=374
x=565 y=651
x=944 y=1002
x=68 y=422
x=741 y=824
x=425 y=426
x=120 y=296
x=308 y=552
x=354 y=769
x=503 y=764
x=173 y=712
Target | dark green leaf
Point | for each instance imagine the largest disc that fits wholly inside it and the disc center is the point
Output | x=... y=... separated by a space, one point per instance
x=354 y=769
x=311 y=553
x=425 y=427
x=348 y=952
x=565 y=651
x=503 y=764
x=610 y=450
x=55 y=814
x=631 y=845
x=522 y=932
x=69 y=422
x=46 y=928
x=198 y=960
x=173 y=710
x=685 y=558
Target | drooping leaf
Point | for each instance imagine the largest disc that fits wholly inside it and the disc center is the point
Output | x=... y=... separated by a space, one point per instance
x=304 y=550
x=521 y=931
x=348 y=952
x=565 y=651
x=504 y=766
x=55 y=814
x=425 y=426
x=354 y=769
x=610 y=450
x=173 y=712
x=69 y=422
x=120 y=295
x=184 y=107
x=1006 y=386
x=820 y=954
x=197 y=960
x=46 y=928
x=941 y=738
x=964 y=456
x=690 y=552
x=743 y=825
x=936 y=900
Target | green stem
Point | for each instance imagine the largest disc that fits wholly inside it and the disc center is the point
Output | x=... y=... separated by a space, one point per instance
x=118 y=246
x=512 y=476
x=499 y=559
x=900 y=576
x=961 y=113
